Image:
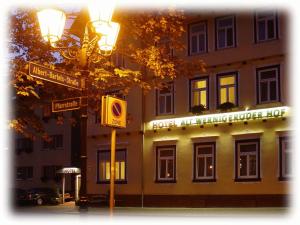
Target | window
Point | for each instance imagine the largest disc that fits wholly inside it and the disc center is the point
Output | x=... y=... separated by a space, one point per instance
x=268 y=87
x=204 y=162
x=56 y=142
x=247 y=160
x=24 y=144
x=49 y=172
x=199 y=92
x=166 y=164
x=225 y=32
x=285 y=154
x=227 y=88
x=24 y=173
x=104 y=166
x=197 y=38
x=165 y=100
x=265 y=26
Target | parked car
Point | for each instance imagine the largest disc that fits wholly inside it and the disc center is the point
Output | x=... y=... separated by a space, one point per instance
x=40 y=196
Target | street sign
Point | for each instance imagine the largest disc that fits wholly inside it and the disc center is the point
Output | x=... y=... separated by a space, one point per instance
x=54 y=76
x=66 y=104
x=113 y=112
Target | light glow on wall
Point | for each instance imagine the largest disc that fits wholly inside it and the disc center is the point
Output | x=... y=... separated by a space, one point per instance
x=219 y=118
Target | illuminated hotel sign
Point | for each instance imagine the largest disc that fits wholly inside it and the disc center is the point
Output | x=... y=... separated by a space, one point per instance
x=231 y=117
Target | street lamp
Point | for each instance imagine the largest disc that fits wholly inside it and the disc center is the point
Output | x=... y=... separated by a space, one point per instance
x=100 y=35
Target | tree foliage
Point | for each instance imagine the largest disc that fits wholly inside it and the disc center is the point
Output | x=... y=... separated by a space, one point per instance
x=151 y=43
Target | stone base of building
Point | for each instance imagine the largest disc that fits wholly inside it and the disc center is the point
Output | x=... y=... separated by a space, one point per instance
x=200 y=201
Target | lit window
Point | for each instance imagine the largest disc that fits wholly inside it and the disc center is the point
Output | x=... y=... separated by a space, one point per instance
x=24 y=173
x=285 y=154
x=227 y=88
x=247 y=160
x=268 y=84
x=165 y=163
x=204 y=162
x=104 y=166
x=265 y=26
x=199 y=92
x=197 y=38
x=165 y=100
x=225 y=31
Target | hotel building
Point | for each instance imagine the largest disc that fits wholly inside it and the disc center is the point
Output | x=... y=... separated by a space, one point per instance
x=235 y=150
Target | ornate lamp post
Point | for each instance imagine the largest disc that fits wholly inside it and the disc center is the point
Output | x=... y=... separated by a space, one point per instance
x=100 y=35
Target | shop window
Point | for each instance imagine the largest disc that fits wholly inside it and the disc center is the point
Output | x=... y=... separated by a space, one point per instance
x=285 y=154
x=247 y=160
x=56 y=142
x=24 y=173
x=166 y=164
x=104 y=166
x=199 y=93
x=225 y=32
x=265 y=26
x=227 y=88
x=204 y=162
x=268 y=83
x=197 y=38
x=165 y=100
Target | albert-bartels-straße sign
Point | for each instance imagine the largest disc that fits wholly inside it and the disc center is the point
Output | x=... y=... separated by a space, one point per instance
x=45 y=73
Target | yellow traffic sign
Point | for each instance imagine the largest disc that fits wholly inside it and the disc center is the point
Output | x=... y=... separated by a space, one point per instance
x=113 y=112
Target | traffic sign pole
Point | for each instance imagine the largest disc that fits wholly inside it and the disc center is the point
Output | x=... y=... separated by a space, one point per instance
x=112 y=171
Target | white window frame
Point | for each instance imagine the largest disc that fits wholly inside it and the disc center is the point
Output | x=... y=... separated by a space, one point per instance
x=225 y=28
x=197 y=35
x=199 y=90
x=265 y=19
x=205 y=156
x=165 y=95
x=283 y=153
x=247 y=154
x=227 y=86
x=167 y=159
x=268 y=81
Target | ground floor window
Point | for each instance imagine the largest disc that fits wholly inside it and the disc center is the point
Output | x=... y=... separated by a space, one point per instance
x=24 y=173
x=204 y=161
x=103 y=175
x=285 y=158
x=247 y=160
x=166 y=163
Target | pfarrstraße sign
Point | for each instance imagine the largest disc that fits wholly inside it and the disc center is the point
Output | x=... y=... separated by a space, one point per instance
x=54 y=76
x=66 y=104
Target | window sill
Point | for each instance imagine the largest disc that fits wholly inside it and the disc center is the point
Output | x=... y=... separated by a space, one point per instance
x=165 y=181
x=204 y=180
x=266 y=41
x=116 y=182
x=247 y=179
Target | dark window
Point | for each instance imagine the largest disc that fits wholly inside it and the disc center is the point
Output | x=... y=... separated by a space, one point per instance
x=285 y=156
x=225 y=32
x=24 y=144
x=268 y=84
x=247 y=160
x=204 y=161
x=103 y=174
x=50 y=172
x=24 y=173
x=166 y=163
x=265 y=26
x=197 y=38
x=165 y=100
x=56 y=142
